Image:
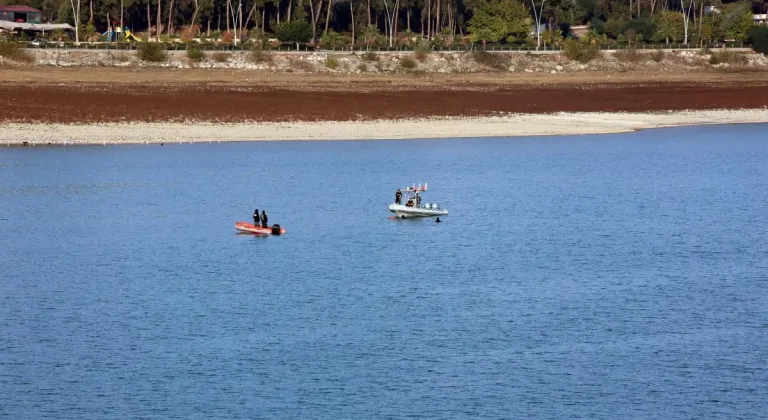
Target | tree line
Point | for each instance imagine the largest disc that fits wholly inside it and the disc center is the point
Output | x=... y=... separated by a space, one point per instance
x=394 y=22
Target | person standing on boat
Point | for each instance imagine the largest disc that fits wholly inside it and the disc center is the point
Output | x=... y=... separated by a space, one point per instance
x=418 y=200
x=256 y=217
x=398 y=196
x=264 y=219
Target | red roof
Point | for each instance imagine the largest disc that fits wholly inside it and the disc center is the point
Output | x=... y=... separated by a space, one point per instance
x=19 y=8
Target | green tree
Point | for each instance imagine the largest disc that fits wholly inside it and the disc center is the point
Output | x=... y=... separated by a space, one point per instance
x=643 y=26
x=758 y=36
x=669 y=26
x=614 y=27
x=296 y=31
x=735 y=21
x=499 y=20
x=704 y=34
x=485 y=24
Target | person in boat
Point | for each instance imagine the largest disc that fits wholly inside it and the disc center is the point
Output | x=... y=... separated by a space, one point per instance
x=264 y=219
x=398 y=196
x=409 y=203
x=256 y=217
x=418 y=200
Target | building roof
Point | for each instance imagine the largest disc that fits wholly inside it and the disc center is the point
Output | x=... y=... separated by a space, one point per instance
x=19 y=8
x=37 y=27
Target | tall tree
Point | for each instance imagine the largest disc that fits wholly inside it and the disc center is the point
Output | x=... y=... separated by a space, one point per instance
x=159 y=17
x=170 y=17
x=686 y=18
x=76 y=16
x=315 y=12
x=537 y=22
x=352 y=16
x=499 y=20
x=328 y=15
x=194 y=17
x=391 y=11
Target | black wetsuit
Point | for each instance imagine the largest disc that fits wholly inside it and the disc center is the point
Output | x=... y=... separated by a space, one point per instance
x=256 y=217
x=398 y=197
x=264 y=219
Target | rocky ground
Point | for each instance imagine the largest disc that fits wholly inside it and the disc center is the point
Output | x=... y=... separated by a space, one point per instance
x=417 y=63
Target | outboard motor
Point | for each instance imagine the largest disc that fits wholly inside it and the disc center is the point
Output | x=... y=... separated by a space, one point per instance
x=275 y=229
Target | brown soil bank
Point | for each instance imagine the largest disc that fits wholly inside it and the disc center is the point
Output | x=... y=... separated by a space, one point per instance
x=340 y=100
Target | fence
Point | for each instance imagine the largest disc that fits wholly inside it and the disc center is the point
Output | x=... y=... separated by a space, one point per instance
x=114 y=46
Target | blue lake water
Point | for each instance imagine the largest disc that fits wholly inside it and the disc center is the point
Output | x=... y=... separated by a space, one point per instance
x=613 y=276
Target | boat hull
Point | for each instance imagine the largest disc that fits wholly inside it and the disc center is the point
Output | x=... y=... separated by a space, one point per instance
x=406 y=212
x=251 y=228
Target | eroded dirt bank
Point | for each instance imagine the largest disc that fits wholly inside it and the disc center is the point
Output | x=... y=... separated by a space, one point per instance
x=344 y=99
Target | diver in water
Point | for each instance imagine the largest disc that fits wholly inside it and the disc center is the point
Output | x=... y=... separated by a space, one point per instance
x=256 y=217
x=264 y=219
x=398 y=196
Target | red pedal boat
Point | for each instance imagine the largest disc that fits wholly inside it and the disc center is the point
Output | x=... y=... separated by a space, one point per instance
x=250 y=227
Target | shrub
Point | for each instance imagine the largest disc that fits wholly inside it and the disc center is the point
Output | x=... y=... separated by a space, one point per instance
x=328 y=40
x=579 y=51
x=370 y=36
x=120 y=56
x=758 y=36
x=15 y=52
x=407 y=63
x=331 y=62
x=370 y=56
x=194 y=53
x=58 y=35
x=333 y=40
x=151 y=51
x=422 y=52
x=496 y=61
x=260 y=56
x=727 y=57
x=301 y=65
x=628 y=56
x=220 y=57
x=657 y=55
x=362 y=67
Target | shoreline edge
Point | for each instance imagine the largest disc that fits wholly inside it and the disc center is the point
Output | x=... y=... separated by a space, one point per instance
x=513 y=125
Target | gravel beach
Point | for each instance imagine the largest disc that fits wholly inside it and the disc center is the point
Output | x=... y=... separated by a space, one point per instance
x=34 y=134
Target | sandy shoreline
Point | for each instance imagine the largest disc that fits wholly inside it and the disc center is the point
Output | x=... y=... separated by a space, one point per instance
x=497 y=126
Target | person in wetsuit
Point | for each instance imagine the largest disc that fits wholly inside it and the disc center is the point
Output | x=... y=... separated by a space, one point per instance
x=256 y=217
x=398 y=196
x=264 y=219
